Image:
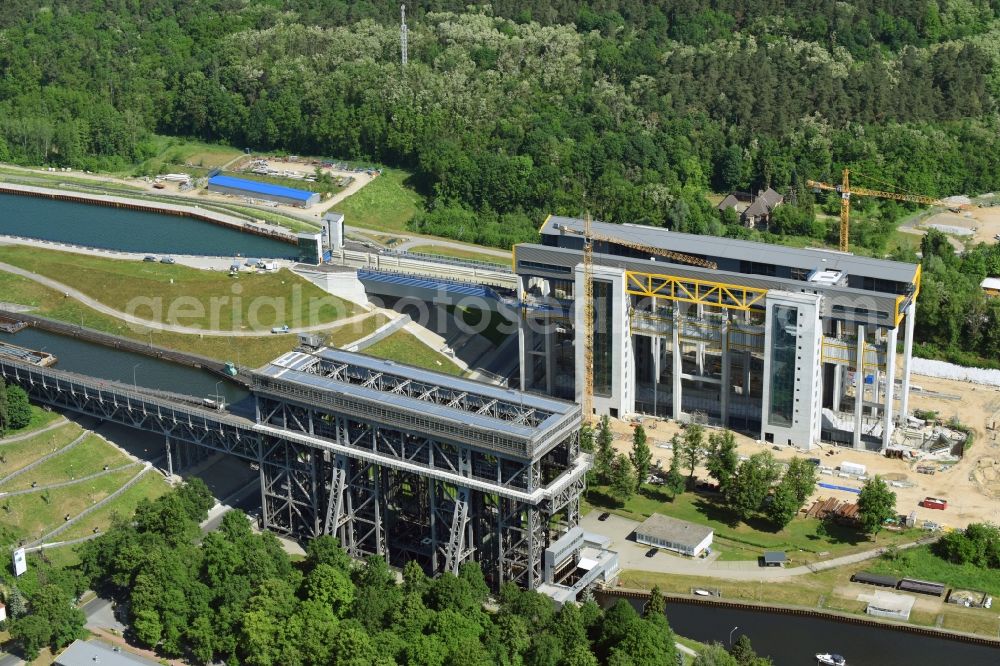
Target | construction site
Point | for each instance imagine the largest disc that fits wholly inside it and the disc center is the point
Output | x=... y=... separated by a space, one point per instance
x=791 y=346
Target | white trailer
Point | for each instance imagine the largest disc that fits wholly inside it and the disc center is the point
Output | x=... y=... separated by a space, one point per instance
x=852 y=468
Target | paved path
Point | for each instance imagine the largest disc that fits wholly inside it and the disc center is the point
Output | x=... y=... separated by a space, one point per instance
x=60 y=422
x=94 y=304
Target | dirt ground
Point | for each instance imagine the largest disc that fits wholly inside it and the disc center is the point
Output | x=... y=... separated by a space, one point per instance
x=985 y=223
x=972 y=486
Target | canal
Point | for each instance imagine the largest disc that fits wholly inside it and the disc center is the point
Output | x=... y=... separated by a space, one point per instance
x=95 y=360
x=794 y=640
x=129 y=231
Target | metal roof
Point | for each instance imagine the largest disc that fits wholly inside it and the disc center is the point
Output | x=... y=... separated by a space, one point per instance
x=774 y=556
x=673 y=530
x=499 y=415
x=732 y=248
x=266 y=189
x=88 y=653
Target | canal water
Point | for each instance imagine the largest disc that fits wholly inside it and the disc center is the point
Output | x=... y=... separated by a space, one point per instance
x=129 y=231
x=106 y=363
x=794 y=640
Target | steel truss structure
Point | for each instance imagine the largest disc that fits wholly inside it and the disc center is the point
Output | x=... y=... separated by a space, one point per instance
x=396 y=462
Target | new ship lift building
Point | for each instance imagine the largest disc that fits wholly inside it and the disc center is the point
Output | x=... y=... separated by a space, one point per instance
x=241 y=187
x=789 y=345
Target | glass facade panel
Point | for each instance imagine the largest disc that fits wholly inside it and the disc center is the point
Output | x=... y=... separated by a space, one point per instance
x=603 y=338
x=784 y=335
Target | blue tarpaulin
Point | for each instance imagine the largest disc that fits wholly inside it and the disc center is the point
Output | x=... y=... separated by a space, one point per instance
x=833 y=487
x=266 y=189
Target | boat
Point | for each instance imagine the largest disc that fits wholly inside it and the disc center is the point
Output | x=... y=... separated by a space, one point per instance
x=703 y=593
x=829 y=659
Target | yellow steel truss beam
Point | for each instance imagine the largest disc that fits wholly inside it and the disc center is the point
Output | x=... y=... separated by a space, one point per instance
x=688 y=290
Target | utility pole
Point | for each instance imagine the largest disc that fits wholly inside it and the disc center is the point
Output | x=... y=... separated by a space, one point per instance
x=403 y=35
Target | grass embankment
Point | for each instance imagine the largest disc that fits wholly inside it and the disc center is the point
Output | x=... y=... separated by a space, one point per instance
x=457 y=253
x=88 y=457
x=150 y=486
x=804 y=539
x=171 y=151
x=18 y=455
x=185 y=296
x=824 y=591
x=404 y=347
x=805 y=591
x=63 y=180
x=248 y=351
x=39 y=417
x=385 y=204
x=32 y=515
x=348 y=333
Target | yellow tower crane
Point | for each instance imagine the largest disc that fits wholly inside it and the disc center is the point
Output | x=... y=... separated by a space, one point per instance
x=589 y=236
x=846 y=191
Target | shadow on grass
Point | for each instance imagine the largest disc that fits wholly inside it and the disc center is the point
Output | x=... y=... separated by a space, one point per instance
x=602 y=500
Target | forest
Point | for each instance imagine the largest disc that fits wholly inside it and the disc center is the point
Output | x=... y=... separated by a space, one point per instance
x=508 y=111
x=237 y=596
x=515 y=109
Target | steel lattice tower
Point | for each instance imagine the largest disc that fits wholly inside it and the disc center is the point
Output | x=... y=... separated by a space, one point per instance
x=403 y=35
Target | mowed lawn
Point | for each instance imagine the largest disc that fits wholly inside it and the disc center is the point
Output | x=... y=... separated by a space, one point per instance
x=150 y=486
x=805 y=539
x=39 y=417
x=186 y=296
x=458 y=253
x=403 y=347
x=86 y=458
x=17 y=455
x=248 y=351
x=172 y=150
x=385 y=204
x=32 y=515
x=348 y=333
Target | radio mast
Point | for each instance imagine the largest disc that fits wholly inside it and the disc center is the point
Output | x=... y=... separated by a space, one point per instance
x=403 y=35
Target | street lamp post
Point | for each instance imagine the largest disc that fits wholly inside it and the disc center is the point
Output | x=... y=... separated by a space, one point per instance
x=731 y=637
x=134 y=383
x=218 y=404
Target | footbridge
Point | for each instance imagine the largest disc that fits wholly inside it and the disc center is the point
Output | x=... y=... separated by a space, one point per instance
x=394 y=461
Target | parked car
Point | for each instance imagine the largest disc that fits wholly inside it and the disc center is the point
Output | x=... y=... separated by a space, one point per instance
x=167 y=260
x=651 y=552
x=149 y=257
x=604 y=516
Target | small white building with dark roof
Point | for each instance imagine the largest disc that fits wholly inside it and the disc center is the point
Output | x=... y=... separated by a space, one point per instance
x=673 y=534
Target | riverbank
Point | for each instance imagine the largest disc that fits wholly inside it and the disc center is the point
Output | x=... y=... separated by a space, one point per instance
x=790 y=635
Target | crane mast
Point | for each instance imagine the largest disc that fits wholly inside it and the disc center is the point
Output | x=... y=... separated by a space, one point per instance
x=589 y=236
x=588 y=321
x=845 y=190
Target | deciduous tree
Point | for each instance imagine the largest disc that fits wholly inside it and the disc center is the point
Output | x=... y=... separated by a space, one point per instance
x=605 y=456
x=753 y=479
x=876 y=504
x=641 y=457
x=623 y=479
x=722 y=459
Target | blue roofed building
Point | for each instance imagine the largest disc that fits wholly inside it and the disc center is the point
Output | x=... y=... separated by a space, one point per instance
x=242 y=187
